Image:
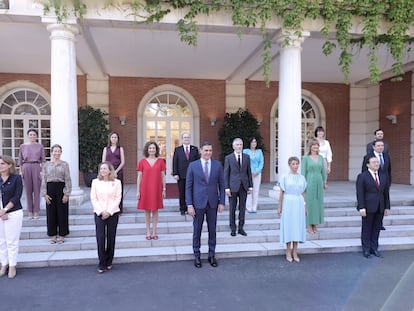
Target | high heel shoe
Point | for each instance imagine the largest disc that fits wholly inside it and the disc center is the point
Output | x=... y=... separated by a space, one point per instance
x=296 y=257
x=12 y=272
x=289 y=256
x=3 y=270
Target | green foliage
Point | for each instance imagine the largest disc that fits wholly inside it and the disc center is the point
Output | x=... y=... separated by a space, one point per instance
x=240 y=124
x=337 y=17
x=93 y=135
x=63 y=9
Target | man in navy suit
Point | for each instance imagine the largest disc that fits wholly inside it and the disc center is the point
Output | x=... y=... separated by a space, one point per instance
x=205 y=196
x=238 y=180
x=372 y=189
x=183 y=155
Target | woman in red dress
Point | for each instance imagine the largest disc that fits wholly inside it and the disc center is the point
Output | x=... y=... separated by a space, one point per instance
x=151 y=186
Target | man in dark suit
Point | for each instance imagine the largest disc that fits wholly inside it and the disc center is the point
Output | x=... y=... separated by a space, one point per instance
x=383 y=159
x=205 y=196
x=238 y=180
x=378 y=150
x=372 y=189
x=183 y=155
x=379 y=135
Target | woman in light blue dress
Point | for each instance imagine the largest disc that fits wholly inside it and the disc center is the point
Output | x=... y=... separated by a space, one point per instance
x=292 y=208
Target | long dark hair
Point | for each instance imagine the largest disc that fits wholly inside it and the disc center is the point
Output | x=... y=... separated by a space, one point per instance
x=109 y=139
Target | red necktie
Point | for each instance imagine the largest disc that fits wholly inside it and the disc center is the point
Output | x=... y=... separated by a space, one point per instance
x=187 y=153
x=376 y=179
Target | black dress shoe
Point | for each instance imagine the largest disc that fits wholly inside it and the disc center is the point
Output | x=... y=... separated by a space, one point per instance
x=197 y=262
x=376 y=253
x=366 y=254
x=213 y=262
x=233 y=233
x=242 y=232
x=182 y=213
x=383 y=228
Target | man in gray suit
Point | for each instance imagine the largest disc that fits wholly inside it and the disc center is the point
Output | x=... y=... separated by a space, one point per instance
x=238 y=183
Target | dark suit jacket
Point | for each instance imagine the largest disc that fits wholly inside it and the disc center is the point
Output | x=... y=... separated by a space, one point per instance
x=234 y=176
x=11 y=191
x=370 y=147
x=371 y=197
x=180 y=162
x=198 y=192
x=387 y=165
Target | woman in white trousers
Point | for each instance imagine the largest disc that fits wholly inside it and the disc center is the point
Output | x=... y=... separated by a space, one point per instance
x=11 y=215
x=256 y=164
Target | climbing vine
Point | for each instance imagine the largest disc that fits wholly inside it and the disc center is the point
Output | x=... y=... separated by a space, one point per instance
x=338 y=18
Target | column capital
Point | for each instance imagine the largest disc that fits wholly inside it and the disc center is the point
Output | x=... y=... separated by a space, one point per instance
x=288 y=38
x=65 y=30
x=68 y=29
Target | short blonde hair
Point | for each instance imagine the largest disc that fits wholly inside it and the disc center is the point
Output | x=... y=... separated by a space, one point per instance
x=111 y=171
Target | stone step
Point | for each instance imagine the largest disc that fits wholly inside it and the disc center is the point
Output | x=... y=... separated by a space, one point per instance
x=184 y=239
x=185 y=225
x=168 y=216
x=170 y=253
x=340 y=233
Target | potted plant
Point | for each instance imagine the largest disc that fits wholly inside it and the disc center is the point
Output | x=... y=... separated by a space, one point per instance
x=93 y=133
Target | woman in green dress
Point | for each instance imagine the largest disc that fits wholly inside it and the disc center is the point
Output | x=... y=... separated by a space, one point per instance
x=313 y=168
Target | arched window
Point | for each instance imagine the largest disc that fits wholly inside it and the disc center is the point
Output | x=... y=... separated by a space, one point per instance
x=168 y=113
x=313 y=115
x=20 y=110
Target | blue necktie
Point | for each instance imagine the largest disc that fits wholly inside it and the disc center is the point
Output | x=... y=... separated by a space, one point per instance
x=381 y=161
x=206 y=170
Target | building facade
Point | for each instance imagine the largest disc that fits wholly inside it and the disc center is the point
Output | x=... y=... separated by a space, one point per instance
x=70 y=65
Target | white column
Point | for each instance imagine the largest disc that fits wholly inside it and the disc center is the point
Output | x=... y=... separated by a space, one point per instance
x=412 y=132
x=64 y=118
x=290 y=100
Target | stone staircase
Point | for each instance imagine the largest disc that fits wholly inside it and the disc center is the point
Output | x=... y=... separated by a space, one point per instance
x=340 y=233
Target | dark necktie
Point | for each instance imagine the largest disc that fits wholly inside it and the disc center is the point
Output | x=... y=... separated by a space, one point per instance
x=381 y=160
x=187 y=153
x=376 y=179
x=206 y=170
x=238 y=160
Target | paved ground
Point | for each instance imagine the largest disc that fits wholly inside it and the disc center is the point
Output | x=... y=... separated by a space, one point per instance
x=320 y=282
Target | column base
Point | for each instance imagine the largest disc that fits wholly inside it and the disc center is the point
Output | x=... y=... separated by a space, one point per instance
x=275 y=192
x=76 y=197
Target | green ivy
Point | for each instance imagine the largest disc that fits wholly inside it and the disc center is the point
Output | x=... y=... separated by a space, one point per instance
x=336 y=14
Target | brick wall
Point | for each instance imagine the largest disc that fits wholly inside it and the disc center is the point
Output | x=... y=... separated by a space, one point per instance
x=395 y=98
x=126 y=93
x=335 y=99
